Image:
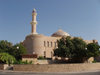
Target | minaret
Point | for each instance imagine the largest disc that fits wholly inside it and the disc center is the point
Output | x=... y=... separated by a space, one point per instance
x=34 y=22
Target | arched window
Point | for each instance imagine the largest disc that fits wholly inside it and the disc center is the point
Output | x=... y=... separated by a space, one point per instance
x=48 y=43
x=44 y=54
x=51 y=44
x=44 y=44
x=55 y=44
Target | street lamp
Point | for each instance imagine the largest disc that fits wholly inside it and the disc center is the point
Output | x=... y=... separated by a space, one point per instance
x=17 y=47
x=33 y=52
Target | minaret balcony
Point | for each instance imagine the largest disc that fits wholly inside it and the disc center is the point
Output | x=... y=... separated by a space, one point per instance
x=33 y=22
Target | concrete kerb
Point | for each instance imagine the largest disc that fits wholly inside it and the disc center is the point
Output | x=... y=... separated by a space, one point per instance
x=30 y=72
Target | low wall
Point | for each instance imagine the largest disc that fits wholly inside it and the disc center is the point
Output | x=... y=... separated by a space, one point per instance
x=58 y=67
x=1 y=66
x=97 y=59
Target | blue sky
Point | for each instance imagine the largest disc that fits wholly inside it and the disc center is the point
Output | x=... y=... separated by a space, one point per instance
x=80 y=18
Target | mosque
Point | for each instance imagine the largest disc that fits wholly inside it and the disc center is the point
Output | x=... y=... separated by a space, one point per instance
x=43 y=45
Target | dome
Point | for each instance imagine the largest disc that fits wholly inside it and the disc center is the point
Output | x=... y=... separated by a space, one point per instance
x=60 y=33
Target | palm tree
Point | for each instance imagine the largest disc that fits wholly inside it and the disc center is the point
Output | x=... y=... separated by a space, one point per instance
x=7 y=58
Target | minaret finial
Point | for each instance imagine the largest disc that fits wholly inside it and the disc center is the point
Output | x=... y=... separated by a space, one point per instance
x=34 y=10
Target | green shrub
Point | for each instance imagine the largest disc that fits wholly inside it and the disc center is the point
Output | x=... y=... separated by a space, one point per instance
x=7 y=58
x=41 y=58
x=23 y=62
x=30 y=62
x=94 y=61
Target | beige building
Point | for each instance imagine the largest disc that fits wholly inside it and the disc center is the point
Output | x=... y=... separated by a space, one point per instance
x=43 y=45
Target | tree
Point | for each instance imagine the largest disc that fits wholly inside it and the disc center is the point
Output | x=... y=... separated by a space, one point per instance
x=5 y=46
x=7 y=58
x=79 y=47
x=18 y=50
x=79 y=51
x=65 y=47
x=76 y=49
x=93 y=50
x=14 y=50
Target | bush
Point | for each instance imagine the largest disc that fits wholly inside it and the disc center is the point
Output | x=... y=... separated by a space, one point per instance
x=41 y=58
x=23 y=62
x=7 y=58
x=94 y=61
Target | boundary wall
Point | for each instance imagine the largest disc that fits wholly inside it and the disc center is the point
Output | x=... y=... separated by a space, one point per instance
x=58 y=67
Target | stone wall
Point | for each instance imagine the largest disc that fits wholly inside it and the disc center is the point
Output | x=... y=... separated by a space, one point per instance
x=97 y=59
x=58 y=67
x=1 y=66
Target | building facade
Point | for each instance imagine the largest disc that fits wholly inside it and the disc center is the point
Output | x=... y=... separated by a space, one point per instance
x=43 y=45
